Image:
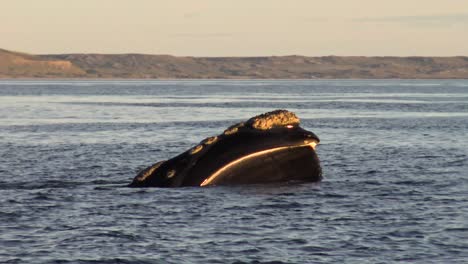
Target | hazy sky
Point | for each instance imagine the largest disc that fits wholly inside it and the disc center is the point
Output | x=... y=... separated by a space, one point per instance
x=237 y=27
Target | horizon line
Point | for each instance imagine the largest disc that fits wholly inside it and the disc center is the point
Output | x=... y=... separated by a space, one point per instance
x=232 y=56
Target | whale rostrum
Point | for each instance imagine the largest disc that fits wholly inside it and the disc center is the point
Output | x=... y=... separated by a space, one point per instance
x=271 y=147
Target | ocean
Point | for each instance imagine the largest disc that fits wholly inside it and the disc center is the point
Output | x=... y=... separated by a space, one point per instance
x=394 y=155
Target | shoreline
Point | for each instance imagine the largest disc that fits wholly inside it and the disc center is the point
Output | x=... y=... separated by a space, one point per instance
x=15 y=65
x=228 y=79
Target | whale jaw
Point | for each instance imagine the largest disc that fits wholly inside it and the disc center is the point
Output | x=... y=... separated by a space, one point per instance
x=298 y=163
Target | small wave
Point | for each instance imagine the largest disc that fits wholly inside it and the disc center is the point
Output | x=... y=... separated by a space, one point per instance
x=59 y=184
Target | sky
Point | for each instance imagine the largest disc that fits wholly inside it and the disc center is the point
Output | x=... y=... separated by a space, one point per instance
x=237 y=27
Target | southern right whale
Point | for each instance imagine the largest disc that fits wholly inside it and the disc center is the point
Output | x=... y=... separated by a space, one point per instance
x=270 y=147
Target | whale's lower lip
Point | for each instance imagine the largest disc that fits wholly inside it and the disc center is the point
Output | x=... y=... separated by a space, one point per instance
x=209 y=180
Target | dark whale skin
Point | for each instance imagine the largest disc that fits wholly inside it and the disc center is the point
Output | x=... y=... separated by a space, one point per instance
x=245 y=153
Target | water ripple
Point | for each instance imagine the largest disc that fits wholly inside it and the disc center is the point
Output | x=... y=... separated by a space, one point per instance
x=394 y=155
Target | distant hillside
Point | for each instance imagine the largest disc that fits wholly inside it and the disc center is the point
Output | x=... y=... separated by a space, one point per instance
x=20 y=65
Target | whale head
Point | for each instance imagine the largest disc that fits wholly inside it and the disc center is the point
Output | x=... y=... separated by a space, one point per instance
x=271 y=147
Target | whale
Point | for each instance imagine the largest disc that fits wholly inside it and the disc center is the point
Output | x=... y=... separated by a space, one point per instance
x=267 y=148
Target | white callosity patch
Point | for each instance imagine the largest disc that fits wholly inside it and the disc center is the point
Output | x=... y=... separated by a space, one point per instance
x=170 y=174
x=196 y=149
x=148 y=171
x=273 y=119
x=210 y=140
x=233 y=129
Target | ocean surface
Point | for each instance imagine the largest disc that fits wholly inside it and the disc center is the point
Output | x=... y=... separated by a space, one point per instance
x=394 y=156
